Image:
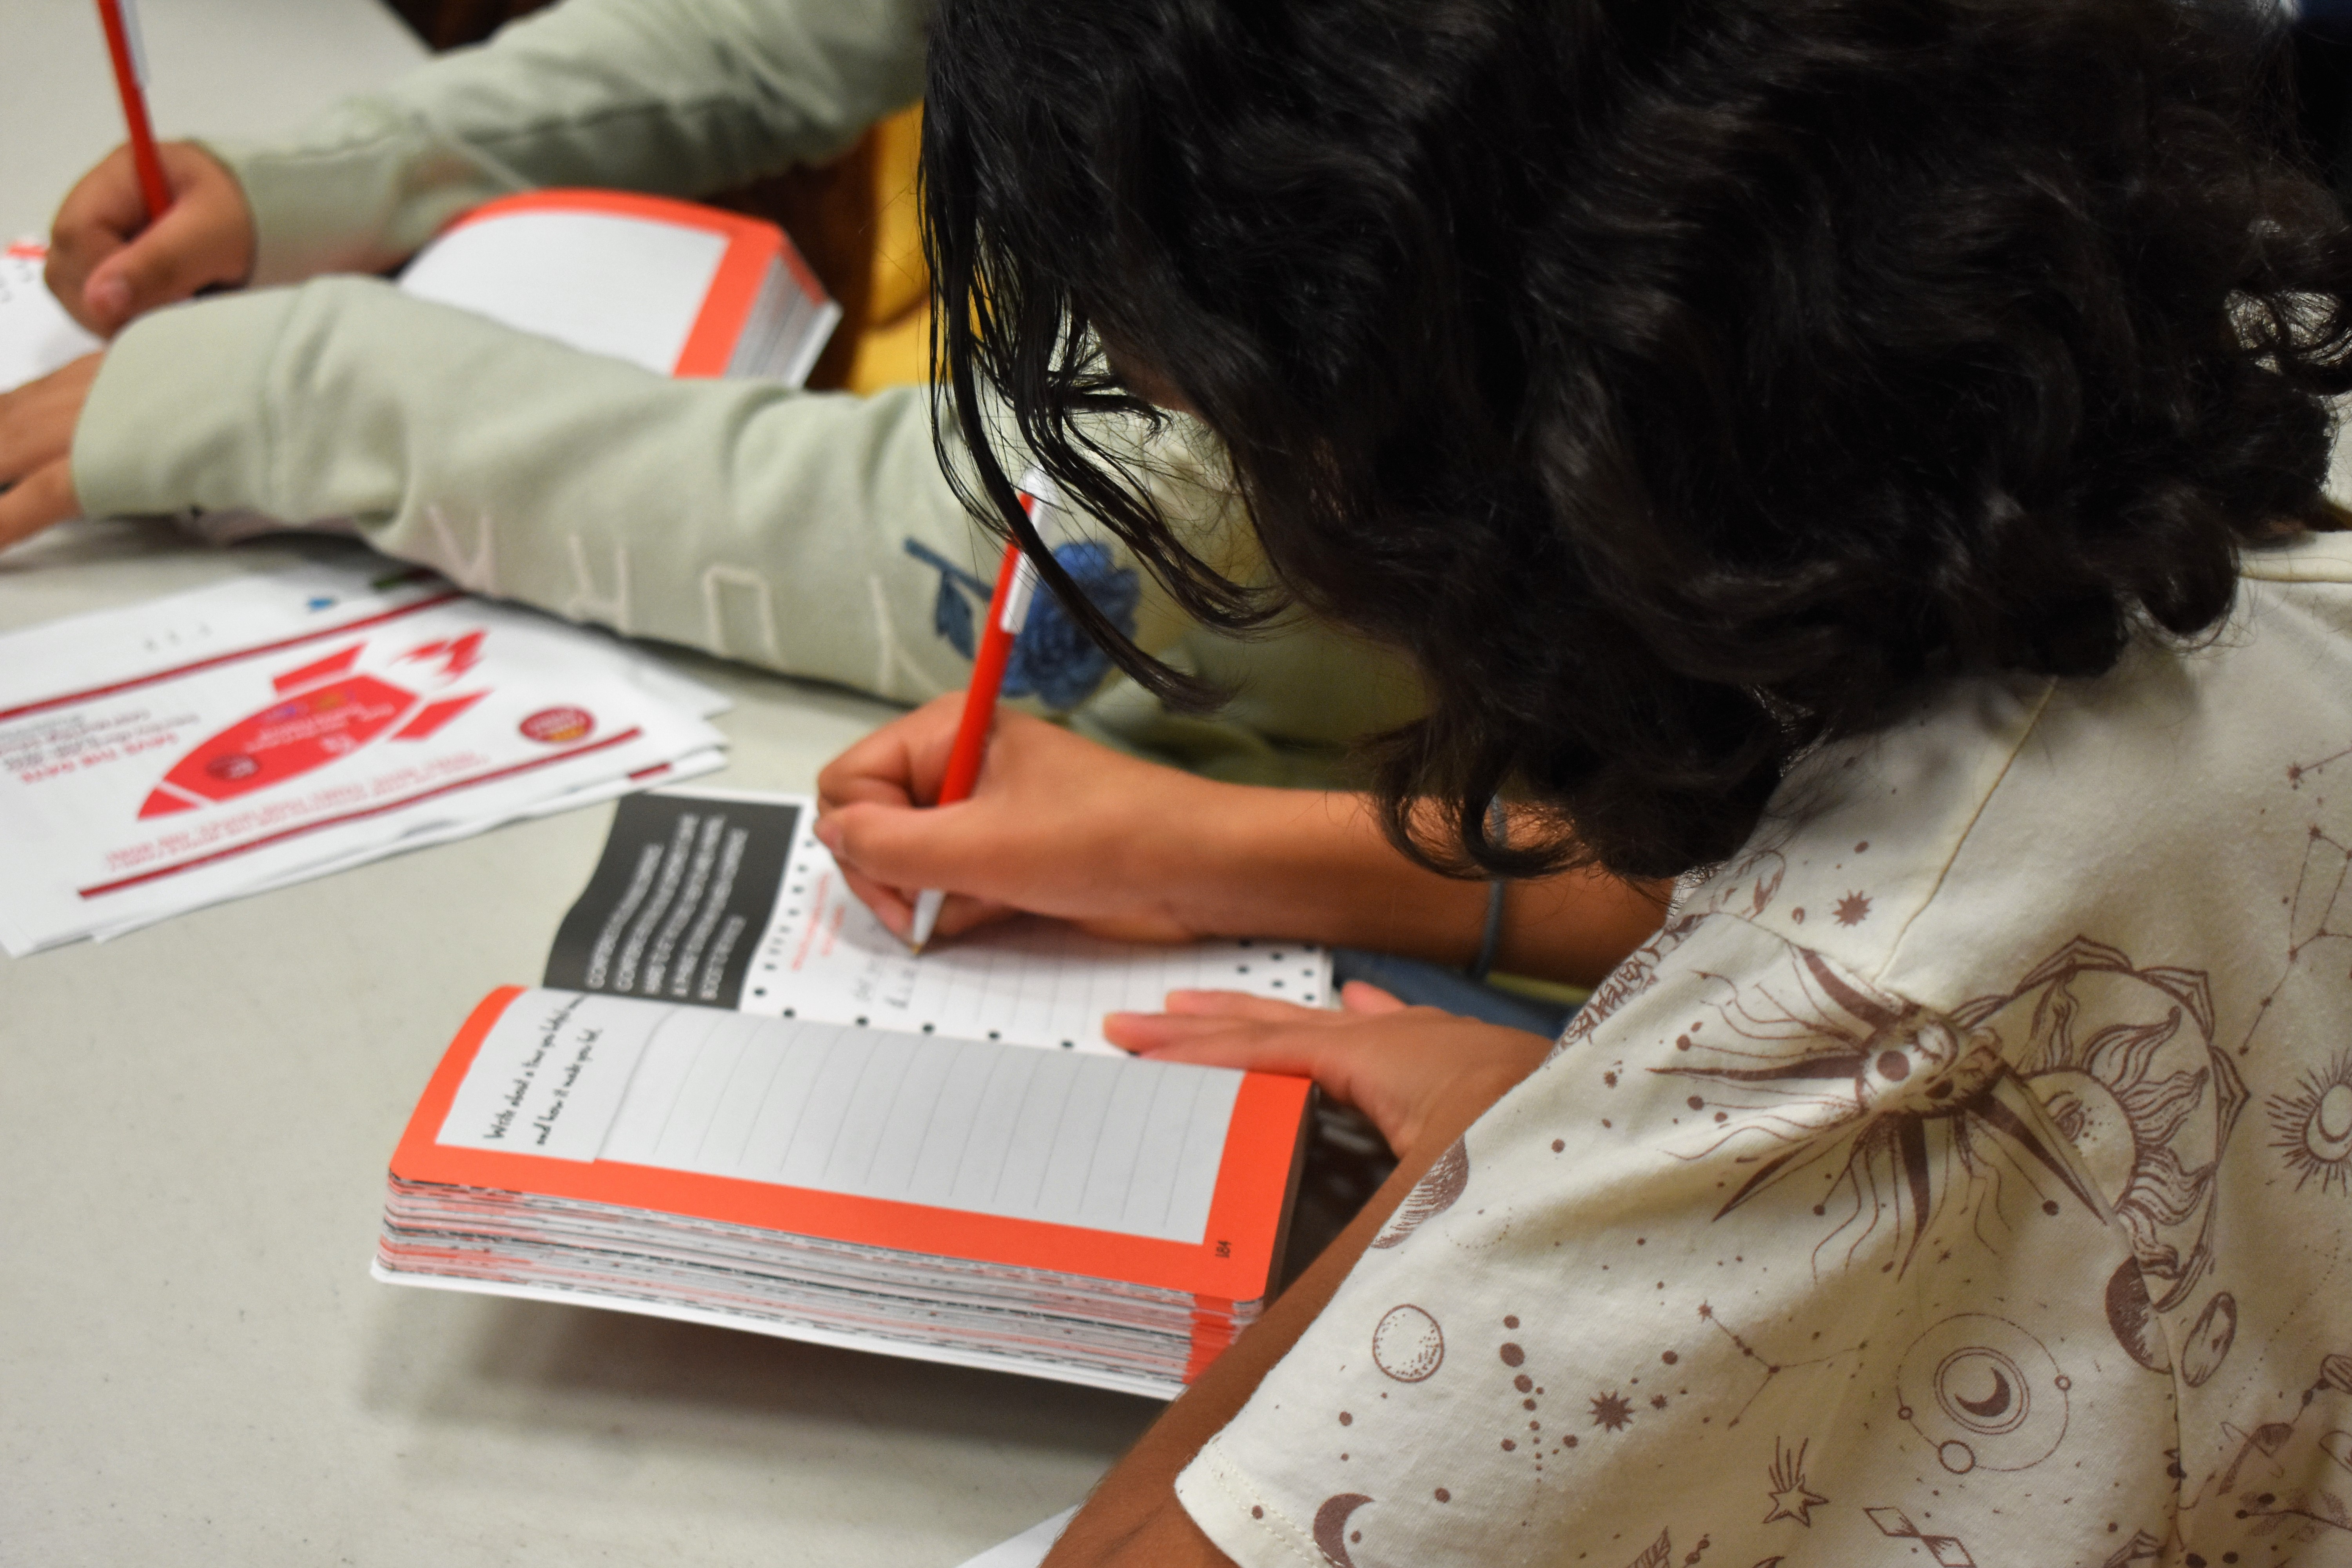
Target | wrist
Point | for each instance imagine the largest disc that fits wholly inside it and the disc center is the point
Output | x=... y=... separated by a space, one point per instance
x=1248 y=860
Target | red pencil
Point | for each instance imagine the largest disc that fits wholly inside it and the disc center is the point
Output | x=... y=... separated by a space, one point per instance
x=1008 y=611
x=130 y=56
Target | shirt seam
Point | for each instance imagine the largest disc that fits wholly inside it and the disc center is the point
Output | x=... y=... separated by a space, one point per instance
x=1984 y=800
x=1214 y=1472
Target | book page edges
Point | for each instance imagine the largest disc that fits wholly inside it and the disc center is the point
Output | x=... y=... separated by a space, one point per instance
x=871 y=1345
x=754 y=245
x=1264 y=1141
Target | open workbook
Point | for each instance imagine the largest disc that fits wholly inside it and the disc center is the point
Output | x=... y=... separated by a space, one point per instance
x=738 y=1100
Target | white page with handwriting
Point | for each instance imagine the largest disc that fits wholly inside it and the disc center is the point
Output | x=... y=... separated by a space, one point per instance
x=1128 y=1146
x=1027 y=981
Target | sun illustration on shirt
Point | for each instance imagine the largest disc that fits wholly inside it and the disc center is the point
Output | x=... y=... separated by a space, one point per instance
x=2312 y=1128
x=1884 y=1103
x=1891 y=1107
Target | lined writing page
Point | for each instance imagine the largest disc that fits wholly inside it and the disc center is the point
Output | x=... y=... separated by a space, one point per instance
x=980 y=1126
x=1027 y=981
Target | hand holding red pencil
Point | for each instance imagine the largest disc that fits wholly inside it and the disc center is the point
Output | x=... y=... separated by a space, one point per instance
x=149 y=225
x=1008 y=611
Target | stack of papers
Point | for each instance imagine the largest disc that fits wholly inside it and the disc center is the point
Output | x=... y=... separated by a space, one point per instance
x=1057 y=1214
x=197 y=748
x=740 y=1101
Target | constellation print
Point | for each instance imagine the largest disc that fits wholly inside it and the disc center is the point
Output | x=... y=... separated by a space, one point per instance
x=1884 y=1101
x=2298 y=772
x=1772 y=1368
x=2319 y=913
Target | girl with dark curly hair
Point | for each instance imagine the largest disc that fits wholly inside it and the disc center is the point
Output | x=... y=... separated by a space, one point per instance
x=1861 y=458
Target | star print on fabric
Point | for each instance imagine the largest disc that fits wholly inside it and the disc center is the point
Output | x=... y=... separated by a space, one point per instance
x=1791 y=1497
x=1611 y=1411
x=1854 y=908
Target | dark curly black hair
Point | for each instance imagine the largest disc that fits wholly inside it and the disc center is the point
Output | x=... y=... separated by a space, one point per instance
x=1680 y=383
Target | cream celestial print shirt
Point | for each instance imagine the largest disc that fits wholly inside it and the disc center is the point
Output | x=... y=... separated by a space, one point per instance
x=1962 y=1177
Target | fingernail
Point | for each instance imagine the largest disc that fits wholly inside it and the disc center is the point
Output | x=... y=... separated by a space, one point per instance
x=827 y=832
x=107 y=295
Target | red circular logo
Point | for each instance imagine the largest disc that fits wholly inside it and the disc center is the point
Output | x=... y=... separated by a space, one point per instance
x=558 y=726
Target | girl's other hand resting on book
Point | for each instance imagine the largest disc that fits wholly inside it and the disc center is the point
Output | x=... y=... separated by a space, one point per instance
x=108 y=264
x=1408 y=1069
x=37 y=426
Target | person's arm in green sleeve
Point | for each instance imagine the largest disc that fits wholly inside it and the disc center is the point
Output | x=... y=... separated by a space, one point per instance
x=811 y=533
x=677 y=97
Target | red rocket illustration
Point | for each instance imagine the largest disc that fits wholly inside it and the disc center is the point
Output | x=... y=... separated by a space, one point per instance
x=324 y=711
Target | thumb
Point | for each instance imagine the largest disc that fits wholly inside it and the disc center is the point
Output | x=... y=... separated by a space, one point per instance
x=166 y=262
x=1363 y=997
x=905 y=847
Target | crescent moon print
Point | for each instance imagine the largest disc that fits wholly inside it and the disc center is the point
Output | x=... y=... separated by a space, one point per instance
x=1332 y=1535
x=1887 y=1099
x=1439 y=1189
x=1984 y=1393
x=2312 y=1128
x=2123 y=1060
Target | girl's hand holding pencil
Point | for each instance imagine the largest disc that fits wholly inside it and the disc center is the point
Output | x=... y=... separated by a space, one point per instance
x=108 y=264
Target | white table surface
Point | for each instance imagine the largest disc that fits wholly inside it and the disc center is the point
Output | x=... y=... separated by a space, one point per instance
x=194 y=1366
x=217 y=67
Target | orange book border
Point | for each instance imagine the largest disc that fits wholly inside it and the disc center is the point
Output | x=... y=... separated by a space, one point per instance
x=1246 y=1211
x=752 y=244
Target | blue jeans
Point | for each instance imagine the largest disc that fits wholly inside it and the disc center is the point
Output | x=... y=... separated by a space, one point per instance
x=1428 y=985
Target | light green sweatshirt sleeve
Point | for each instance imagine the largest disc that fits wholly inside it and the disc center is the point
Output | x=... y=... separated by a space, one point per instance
x=675 y=97
x=809 y=532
